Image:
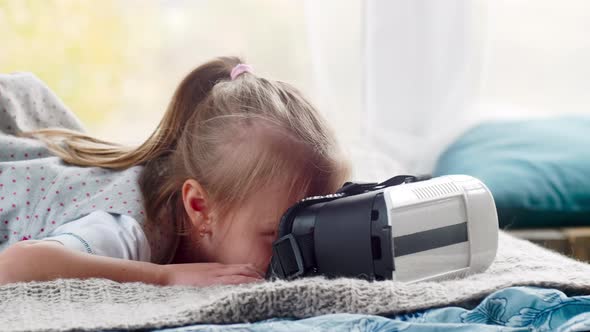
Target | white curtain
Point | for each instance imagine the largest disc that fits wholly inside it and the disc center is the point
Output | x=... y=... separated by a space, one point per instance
x=416 y=73
x=399 y=81
x=336 y=41
x=423 y=61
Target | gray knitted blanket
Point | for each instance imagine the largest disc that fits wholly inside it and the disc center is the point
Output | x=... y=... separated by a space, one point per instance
x=103 y=304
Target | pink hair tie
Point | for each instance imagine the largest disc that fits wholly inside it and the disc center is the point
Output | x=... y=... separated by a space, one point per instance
x=240 y=69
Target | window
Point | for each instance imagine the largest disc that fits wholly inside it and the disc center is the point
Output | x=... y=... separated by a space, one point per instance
x=116 y=63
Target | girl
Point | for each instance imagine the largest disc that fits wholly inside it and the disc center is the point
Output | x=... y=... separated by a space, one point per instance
x=198 y=203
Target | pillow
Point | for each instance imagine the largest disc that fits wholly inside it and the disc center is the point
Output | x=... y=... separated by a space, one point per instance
x=537 y=170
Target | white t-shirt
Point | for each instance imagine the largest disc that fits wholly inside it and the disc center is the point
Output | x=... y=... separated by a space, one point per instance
x=104 y=234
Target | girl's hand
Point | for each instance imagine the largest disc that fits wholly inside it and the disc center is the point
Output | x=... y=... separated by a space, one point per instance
x=208 y=274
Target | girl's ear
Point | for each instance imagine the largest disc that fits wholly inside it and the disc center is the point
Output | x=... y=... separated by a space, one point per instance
x=196 y=202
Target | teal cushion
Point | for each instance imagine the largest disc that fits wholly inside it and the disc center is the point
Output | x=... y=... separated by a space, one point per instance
x=537 y=170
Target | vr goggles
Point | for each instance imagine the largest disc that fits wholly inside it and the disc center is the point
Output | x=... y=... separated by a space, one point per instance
x=408 y=228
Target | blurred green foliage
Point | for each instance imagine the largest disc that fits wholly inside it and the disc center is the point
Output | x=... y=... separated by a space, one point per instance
x=116 y=63
x=76 y=47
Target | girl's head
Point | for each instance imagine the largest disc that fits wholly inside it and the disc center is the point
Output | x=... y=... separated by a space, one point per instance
x=228 y=158
x=247 y=149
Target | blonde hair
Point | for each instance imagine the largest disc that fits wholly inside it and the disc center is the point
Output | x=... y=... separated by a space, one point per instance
x=207 y=134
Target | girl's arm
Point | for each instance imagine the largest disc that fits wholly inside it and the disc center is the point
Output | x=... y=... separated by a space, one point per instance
x=47 y=260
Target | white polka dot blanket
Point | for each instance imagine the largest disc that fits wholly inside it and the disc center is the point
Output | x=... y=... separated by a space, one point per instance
x=39 y=192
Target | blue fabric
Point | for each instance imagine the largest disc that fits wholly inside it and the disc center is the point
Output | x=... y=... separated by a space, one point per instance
x=510 y=309
x=537 y=170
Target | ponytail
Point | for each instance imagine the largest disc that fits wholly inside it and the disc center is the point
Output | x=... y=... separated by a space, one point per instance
x=83 y=150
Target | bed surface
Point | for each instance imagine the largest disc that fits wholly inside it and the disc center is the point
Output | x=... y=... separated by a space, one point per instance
x=93 y=304
x=510 y=309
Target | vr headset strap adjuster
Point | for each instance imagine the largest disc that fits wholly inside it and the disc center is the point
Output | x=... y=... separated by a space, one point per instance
x=289 y=256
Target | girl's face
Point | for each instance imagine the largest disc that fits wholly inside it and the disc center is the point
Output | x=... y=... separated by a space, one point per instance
x=246 y=235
